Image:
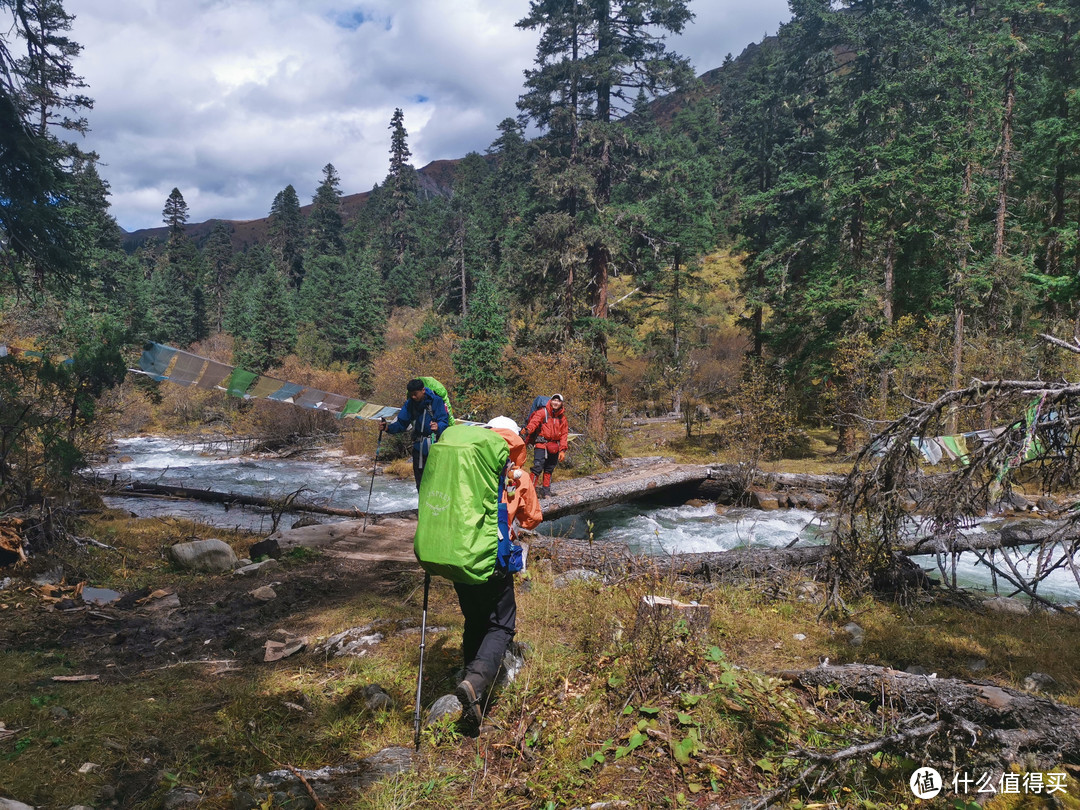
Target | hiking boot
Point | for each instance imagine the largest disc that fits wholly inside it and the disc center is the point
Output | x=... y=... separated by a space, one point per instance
x=471 y=711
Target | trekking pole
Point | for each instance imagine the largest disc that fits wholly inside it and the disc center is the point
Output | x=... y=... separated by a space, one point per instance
x=420 y=674
x=370 y=488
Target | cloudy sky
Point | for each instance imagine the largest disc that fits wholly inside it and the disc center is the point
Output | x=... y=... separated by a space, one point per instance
x=232 y=100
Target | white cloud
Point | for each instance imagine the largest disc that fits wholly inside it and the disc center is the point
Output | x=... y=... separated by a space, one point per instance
x=232 y=100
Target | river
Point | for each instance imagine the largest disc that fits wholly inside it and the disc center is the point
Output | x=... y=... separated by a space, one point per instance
x=343 y=482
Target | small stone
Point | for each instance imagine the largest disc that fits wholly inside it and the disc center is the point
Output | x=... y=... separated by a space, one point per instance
x=264 y=594
x=444 y=707
x=377 y=698
x=181 y=797
x=855 y=633
x=810 y=591
x=799 y=636
x=282 y=644
x=54 y=576
x=1039 y=682
x=11 y=804
x=87 y=767
x=256 y=568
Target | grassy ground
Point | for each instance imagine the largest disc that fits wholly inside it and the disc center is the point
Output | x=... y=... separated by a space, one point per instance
x=612 y=704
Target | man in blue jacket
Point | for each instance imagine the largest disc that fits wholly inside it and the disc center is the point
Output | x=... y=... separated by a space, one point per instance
x=425 y=412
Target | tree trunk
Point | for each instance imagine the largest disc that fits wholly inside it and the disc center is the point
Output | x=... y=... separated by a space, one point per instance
x=887 y=311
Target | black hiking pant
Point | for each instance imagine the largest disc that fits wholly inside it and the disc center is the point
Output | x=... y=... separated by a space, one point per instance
x=543 y=466
x=490 y=613
x=417 y=467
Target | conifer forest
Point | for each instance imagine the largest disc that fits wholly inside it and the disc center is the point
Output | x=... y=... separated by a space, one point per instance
x=875 y=206
x=833 y=282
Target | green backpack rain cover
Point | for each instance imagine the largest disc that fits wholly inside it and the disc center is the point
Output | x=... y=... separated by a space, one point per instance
x=438 y=388
x=457 y=528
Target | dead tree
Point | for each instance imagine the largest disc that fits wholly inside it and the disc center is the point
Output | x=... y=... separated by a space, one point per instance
x=886 y=499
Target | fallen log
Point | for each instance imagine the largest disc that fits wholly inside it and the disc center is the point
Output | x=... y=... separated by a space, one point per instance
x=142 y=489
x=722 y=566
x=625 y=484
x=989 y=723
x=745 y=562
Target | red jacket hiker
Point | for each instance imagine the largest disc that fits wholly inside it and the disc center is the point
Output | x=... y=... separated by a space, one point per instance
x=548 y=431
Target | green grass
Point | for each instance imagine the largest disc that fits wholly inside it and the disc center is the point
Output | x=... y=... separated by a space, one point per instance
x=612 y=705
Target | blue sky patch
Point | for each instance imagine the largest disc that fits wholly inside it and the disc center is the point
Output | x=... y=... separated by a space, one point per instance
x=351 y=20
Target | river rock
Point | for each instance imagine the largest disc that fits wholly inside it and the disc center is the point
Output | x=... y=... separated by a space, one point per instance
x=1016 y=501
x=212 y=556
x=767 y=501
x=1005 y=604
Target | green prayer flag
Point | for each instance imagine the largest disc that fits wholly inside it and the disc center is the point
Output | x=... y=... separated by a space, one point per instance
x=239 y=382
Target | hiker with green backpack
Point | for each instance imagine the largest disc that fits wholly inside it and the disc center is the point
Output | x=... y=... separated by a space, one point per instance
x=473 y=492
x=427 y=413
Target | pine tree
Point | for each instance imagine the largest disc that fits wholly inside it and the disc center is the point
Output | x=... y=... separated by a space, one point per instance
x=478 y=360
x=287 y=234
x=38 y=171
x=175 y=214
x=400 y=232
x=272 y=331
x=326 y=230
x=218 y=258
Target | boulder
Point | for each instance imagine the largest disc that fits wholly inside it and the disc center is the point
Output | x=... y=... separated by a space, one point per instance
x=576 y=575
x=265 y=548
x=211 y=556
x=767 y=501
x=1005 y=604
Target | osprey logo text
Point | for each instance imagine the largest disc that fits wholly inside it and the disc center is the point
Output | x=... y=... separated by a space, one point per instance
x=437 y=501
